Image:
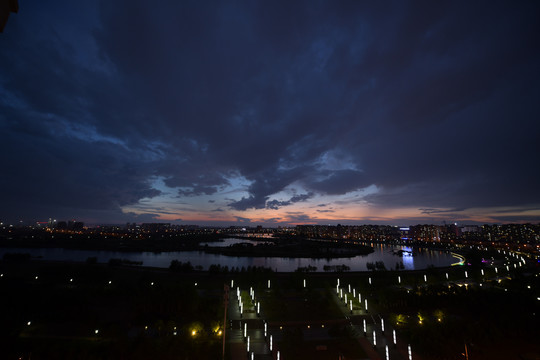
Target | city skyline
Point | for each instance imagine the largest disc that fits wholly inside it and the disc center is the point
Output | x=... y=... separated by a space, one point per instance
x=273 y=114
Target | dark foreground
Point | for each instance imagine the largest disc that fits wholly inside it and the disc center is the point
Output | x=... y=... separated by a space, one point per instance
x=93 y=311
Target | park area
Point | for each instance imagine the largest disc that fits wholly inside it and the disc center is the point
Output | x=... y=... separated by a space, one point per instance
x=99 y=311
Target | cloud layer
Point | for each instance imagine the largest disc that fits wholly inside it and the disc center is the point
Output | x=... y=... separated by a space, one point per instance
x=118 y=111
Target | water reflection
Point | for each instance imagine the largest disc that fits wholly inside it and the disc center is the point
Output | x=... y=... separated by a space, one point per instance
x=387 y=254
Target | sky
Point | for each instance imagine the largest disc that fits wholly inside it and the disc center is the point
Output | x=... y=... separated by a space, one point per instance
x=271 y=113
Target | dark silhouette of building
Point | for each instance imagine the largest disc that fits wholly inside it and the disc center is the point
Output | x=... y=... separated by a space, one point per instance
x=6 y=7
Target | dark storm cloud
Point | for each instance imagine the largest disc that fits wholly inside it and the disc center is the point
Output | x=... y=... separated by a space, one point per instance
x=340 y=182
x=436 y=104
x=46 y=168
x=276 y=204
x=299 y=217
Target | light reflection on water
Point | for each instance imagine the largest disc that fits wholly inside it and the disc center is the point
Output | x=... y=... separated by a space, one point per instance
x=423 y=258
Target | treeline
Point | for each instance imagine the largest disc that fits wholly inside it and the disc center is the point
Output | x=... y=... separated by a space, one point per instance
x=336 y=268
x=377 y=265
x=326 y=268
x=216 y=268
x=179 y=266
x=306 y=269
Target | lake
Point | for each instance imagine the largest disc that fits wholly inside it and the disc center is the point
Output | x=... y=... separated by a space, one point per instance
x=385 y=253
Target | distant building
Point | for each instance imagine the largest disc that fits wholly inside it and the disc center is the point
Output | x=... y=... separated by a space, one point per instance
x=404 y=233
x=155 y=227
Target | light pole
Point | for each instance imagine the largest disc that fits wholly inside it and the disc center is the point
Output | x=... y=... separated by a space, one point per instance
x=225 y=305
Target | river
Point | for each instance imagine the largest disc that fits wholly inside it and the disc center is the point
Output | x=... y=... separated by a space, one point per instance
x=385 y=253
